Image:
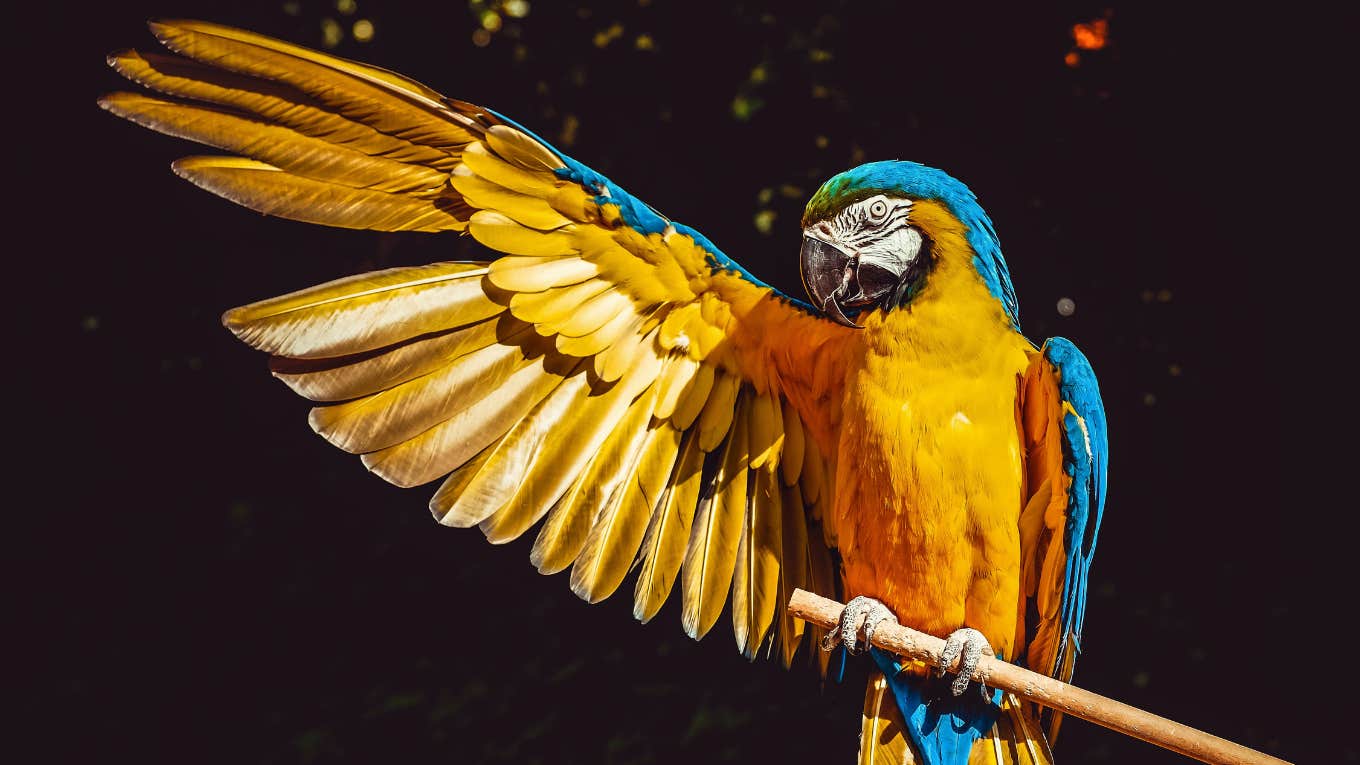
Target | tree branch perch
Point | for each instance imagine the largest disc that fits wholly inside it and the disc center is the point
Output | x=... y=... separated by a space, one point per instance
x=1044 y=690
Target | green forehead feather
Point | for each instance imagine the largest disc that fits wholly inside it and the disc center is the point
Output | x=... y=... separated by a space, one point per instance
x=834 y=196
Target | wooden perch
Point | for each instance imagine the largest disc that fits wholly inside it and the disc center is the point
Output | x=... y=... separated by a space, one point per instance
x=1044 y=690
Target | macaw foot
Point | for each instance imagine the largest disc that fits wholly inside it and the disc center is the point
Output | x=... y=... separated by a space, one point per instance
x=859 y=612
x=971 y=645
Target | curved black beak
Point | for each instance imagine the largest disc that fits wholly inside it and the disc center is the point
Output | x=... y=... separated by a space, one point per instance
x=828 y=273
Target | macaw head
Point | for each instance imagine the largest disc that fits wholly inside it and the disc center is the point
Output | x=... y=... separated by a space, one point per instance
x=872 y=235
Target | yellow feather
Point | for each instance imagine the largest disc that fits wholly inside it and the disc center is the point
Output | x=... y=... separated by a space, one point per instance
x=793 y=565
x=459 y=479
x=706 y=574
x=1031 y=529
x=791 y=462
x=468 y=503
x=614 y=539
x=354 y=90
x=267 y=189
x=596 y=493
x=454 y=441
x=275 y=102
x=522 y=151
x=716 y=418
x=389 y=79
x=695 y=395
x=495 y=170
x=680 y=370
x=668 y=531
x=767 y=430
x=629 y=353
x=595 y=313
x=522 y=208
x=282 y=147
x=821 y=580
x=545 y=466
x=403 y=412
x=365 y=312
x=1049 y=594
x=537 y=274
x=673 y=328
x=706 y=329
x=755 y=580
x=812 y=473
x=553 y=306
x=502 y=234
x=363 y=374
x=882 y=739
x=588 y=345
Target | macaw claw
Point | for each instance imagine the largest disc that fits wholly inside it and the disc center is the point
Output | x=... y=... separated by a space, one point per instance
x=860 y=612
x=971 y=645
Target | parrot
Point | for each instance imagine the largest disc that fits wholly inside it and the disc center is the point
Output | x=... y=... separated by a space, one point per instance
x=612 y=378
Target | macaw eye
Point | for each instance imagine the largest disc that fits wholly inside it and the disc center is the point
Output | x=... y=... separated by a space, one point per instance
x=878 y=210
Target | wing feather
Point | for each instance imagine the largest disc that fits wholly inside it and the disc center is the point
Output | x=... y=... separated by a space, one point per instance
x=363 y=374
x=668 y=530
x=793 y=569
x=608 y=370
x=292 y=152
x=274 y=102
x=405 y=411
x=616 y=536
x=267 y=189
x=503 y=234
x=552 y=307
x=365 y=94
x=717 y=416
x=1062 y=421
x=366 y=312
x=711 y=555
x=596 y=492
x=535 y=442
x=755 y=583
x=445 y=446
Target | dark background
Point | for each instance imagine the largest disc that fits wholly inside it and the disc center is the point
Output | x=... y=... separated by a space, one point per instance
x=208 y=581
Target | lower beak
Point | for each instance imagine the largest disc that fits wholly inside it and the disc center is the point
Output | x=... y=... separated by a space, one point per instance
x=826 y=271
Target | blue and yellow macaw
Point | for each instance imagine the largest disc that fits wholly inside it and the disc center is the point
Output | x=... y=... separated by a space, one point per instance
x=615 y=376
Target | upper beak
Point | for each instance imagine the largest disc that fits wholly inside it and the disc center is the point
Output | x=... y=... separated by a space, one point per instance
x=827 y=275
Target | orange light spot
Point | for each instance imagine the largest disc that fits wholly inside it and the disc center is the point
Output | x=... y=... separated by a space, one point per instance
x=1072 y=59
x=1092 y=36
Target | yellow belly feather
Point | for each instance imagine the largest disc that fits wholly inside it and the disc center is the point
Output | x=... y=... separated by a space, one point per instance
x=929 y=466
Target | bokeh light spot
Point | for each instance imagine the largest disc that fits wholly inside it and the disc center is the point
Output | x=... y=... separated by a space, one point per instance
x=764 y=221
x=331 y=32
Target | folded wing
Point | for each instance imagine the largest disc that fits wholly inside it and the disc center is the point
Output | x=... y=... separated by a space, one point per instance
x=1063 y=422
x=611 y=374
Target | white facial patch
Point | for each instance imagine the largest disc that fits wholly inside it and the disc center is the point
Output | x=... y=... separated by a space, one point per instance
x=878 y=229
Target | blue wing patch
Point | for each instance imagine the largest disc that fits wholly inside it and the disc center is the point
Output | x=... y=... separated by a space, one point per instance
x=1086 y=461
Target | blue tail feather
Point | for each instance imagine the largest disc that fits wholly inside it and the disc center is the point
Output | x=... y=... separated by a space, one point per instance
x=942 y=727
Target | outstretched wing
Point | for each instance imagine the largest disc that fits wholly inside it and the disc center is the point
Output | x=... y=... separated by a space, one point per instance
x=1067 y=461
x=613 y=372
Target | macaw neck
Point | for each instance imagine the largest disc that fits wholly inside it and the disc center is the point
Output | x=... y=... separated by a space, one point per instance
x=953 y=315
